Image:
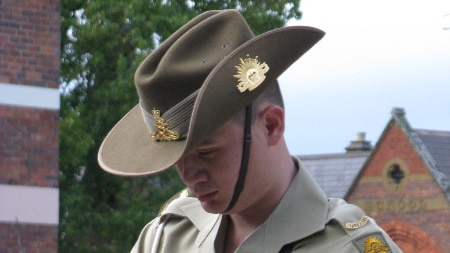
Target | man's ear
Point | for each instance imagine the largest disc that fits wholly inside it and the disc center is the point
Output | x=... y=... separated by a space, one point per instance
x=273 y=118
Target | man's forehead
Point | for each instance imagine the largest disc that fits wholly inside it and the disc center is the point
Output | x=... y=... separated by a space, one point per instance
x=220 y=133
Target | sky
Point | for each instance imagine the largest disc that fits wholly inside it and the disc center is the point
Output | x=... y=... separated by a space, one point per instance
x=376 y=55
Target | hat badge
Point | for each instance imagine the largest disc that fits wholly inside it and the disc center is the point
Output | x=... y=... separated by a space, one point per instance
x=162 y=132
x=250 y=73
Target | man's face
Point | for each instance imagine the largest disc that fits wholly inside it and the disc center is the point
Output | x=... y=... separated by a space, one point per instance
x=210 y=170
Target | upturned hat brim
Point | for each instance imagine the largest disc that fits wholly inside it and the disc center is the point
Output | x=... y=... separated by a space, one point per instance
x=128 y=150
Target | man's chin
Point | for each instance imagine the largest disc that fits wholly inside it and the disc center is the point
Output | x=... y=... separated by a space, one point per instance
x=212 y=208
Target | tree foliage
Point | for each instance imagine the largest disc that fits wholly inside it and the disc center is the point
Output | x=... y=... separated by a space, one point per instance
x=102 y=43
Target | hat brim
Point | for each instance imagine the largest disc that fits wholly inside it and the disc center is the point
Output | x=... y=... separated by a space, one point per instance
x=128 y=150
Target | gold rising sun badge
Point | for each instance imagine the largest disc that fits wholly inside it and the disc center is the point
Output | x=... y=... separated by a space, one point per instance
x=374 y=245
x=250 y=73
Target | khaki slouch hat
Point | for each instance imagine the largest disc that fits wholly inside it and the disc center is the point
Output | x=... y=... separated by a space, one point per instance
x=201 y=76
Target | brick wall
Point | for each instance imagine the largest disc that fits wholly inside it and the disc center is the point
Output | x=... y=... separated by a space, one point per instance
x=411 y=238
x=28 y=146
x=395 y=144
x=28 y=238
x=418 y=204
x=29 y=78
x=30 y=42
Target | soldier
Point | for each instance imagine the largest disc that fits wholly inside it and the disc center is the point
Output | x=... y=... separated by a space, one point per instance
x=211 y=106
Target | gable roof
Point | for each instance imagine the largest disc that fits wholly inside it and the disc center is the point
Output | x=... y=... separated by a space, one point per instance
x=432 y=146
x=335 y=173
x=427 y=144
x=437 y=144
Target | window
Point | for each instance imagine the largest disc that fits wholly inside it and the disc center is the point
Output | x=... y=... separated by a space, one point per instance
x=395 y=175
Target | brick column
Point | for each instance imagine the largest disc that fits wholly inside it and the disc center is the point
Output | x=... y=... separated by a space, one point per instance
x=29 y=112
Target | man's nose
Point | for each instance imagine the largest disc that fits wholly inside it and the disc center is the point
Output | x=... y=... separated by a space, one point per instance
x=191 y=170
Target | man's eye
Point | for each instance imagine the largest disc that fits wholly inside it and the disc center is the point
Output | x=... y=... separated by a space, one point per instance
x=206 y=152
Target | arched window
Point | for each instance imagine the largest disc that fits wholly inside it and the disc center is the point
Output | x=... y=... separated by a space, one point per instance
x=410 y=238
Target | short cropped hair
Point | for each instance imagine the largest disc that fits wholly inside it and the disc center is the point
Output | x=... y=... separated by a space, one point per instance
x=271 y=94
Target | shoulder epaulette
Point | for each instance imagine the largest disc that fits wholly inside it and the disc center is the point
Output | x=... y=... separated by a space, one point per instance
x=365 y=234
x=349 y=216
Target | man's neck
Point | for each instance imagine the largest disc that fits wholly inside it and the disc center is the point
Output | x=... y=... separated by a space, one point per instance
x=242 y=224
x=235 y=235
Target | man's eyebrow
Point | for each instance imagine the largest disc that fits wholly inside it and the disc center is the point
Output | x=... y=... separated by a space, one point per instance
x=207 y=142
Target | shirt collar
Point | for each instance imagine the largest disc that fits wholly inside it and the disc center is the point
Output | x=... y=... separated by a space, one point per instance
x=191 y=208
x=301 y=212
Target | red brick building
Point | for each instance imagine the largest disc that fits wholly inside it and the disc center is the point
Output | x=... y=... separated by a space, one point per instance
x=403 y=182
x=29 y=112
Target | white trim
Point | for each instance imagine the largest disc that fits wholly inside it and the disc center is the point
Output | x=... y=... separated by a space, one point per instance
x=26 y=204
x=29 y=96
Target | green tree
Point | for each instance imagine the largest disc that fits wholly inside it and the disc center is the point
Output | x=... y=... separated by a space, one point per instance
x=102 y=43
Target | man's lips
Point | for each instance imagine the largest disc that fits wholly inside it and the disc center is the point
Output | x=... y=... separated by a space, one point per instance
x=206 y=196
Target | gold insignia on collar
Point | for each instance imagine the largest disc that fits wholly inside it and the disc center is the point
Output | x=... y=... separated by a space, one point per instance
x=250 y=73
x=375 y=245
x=162 y=132
x=358 y=224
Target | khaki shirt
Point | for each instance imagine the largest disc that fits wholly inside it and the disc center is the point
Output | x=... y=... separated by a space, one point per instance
x=305 y=221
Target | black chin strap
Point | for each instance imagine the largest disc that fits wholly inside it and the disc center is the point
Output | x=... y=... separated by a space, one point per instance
x=245 y=157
